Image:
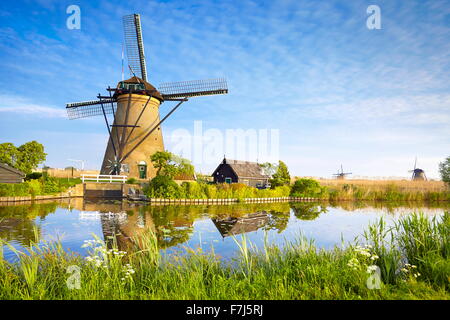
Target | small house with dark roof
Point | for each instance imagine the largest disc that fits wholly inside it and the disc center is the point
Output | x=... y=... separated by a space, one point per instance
x=10 y=175
x=235 y=171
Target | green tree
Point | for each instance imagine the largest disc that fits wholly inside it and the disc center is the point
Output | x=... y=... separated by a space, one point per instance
x=8 y=154
x=168 y=164
x=25 y=158
x=444 y=170
x=281 y=177
x=269 y=168
x=29 y=156
x=161 y=161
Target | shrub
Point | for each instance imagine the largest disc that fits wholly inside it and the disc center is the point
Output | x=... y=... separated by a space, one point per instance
x=132 y=181
x=307 y=188
x=33 y=175
x=34 y=187
x=162 y=187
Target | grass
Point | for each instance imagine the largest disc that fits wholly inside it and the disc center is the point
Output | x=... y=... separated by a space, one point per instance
x=35 y=187
x=389 y=190
x=412 y=256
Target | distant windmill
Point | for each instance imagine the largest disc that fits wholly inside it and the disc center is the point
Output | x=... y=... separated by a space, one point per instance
x=341 y=175
x=417 y=174
x=135 y=133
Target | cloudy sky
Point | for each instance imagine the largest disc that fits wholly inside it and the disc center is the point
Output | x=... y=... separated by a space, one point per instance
x=336 y=91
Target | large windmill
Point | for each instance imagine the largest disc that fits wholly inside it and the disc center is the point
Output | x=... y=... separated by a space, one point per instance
x=417 y=174
x=341 y=175
x=135 y=132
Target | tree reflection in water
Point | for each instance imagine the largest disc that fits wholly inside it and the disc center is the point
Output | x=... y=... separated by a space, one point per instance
x=308 y=210
x=17 y=222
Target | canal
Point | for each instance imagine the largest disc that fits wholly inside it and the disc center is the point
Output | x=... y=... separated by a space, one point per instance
x=196 y=226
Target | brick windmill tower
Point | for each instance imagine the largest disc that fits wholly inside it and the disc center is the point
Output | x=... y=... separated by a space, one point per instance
x=135 y=133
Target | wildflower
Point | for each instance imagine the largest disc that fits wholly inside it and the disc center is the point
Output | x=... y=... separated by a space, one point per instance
x=374 y=257
x=371 y=269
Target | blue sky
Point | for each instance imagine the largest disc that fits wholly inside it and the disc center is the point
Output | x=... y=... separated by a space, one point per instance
x=337 y=92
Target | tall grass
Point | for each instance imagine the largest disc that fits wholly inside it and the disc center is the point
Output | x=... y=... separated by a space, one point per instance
x=299 y=270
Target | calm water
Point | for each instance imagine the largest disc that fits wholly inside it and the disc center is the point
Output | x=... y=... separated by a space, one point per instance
x=178 y=227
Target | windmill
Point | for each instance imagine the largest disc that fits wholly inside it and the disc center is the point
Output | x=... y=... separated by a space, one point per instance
x=417 y=174
x=341 y=175
x=135 y=132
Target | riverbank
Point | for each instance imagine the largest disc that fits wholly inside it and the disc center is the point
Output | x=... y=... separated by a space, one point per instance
x=412 y=265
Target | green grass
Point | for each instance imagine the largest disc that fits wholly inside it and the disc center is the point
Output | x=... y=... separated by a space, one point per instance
x=297 y=271
x=50 y=185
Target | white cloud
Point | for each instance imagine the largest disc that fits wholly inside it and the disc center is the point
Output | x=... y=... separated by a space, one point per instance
x=15 y=104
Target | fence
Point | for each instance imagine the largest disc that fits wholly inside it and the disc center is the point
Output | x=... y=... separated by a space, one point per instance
x=103 y=178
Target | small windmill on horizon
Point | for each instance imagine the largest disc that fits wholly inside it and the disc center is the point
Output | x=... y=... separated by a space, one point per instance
x=417 y=174
x=135 y=133
x=341 y=175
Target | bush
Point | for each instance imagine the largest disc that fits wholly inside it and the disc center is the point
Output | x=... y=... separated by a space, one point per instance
x=132 y=181
x=307 y=188
x=162 y=187
x=33 y=175
x=34 y=187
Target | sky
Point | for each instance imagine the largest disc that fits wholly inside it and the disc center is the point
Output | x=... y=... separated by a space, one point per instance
x=333 y=91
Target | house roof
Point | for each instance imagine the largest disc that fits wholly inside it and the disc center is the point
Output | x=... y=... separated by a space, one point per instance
x=5 y=166
x=244 y=169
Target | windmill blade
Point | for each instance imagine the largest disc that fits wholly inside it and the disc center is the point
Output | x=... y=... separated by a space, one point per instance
x=90 y=108
x=135 y=45
x=194 y=88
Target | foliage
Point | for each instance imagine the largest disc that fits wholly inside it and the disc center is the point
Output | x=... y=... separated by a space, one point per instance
x=297 y=271
x=162 y=186
x=24 y=158
x=444 y=170
x=42 y=186
x=8 y=154
x=132 y=181
x=281 y=176
x=269 y=168
x=307 y=188
x=168 y=164
x=33 y=175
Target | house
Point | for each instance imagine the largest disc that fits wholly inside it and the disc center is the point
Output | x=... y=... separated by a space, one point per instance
x=246 y=172
x=10 y=175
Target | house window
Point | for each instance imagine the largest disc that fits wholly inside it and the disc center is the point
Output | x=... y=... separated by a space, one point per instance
x=228 y=180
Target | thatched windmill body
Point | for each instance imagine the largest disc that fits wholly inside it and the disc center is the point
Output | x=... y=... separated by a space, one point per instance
x=135 y=132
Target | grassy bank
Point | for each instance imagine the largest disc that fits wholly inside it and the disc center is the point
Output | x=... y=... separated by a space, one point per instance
x=389 y=190
x=34 y=187
x=413 y=262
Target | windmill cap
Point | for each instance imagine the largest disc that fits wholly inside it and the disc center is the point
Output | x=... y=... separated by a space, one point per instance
x=148 y=87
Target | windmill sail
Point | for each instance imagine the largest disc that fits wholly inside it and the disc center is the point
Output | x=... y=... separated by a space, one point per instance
x=90 y=108
x=194 y=88
x=135 y=45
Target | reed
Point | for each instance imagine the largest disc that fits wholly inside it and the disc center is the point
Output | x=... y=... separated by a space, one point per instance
x=298 y=270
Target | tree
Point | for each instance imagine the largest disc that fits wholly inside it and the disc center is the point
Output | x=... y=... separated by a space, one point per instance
x=168 y=164
x=444 y=170
x=25 y=158
x=269 y=168
x=160 y=161
x=281 y=176
x=30 y=155
x=8 y=154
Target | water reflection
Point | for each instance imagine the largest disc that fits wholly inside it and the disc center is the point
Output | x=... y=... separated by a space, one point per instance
x=174 y=225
